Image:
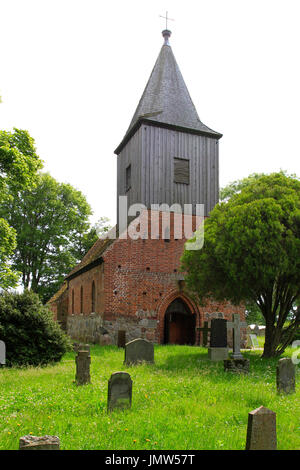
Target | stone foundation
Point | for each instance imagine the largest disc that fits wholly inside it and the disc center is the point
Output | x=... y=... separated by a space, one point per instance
x=94 y=329
x=134 y=328
x=86 y=328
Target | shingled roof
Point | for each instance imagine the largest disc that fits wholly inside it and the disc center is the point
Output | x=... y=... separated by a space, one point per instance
x=93 y=256
x=166 y=100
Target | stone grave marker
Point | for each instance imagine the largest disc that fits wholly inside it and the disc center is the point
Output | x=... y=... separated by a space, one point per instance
x=139 y=350
x=285 y=376
x=81 y=347
x=204 y=331
x=121 y=338
x=2 y=353
x=218 y=350
x=261 y=431
x=237 y=365
x=236 y=325
x=39 y=443
x=119 y=391
x=83 y=361
x=252 y=342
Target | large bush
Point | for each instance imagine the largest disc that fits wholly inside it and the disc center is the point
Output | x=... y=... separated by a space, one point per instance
x=31 y=335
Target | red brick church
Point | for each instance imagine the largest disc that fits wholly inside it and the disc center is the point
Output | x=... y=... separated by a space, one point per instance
x=132 y=281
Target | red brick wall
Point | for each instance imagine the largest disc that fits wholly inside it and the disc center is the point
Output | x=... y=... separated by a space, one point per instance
x=85 y=281
x=138 y=280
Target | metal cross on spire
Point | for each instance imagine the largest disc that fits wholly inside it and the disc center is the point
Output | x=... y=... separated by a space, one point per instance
x=167 y=19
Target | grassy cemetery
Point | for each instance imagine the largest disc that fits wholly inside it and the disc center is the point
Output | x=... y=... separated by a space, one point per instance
x=182 y=401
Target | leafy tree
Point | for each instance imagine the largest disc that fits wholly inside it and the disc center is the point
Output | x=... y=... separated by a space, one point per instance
x=20 y=316
x=19 y=165
x=50 y=220
x=251 y=253
x=236 y=186
x=253 y=314
x=86 y=240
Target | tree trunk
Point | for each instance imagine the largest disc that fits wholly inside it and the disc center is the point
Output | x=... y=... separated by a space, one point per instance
x=269 y=346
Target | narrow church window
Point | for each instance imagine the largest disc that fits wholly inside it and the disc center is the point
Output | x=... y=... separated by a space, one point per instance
x=81 y=299
x=181 y=171
x=93 y=297
x=128 y=177
x=72 y=301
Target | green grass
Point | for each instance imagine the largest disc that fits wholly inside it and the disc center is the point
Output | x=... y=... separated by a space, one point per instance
x=182 y=402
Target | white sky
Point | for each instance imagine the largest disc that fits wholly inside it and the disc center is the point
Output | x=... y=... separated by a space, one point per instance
x=72 y=73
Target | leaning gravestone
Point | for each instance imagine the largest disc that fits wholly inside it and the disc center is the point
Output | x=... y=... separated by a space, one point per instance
x=218 y=350
x=119 y=391
x=285 y=376
x=261 y=431
x=2 y=353
x=253 y=341
x=39 y=443
x=83 y=361
x=139 y=350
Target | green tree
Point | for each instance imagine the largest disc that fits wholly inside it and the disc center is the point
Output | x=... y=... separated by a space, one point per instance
x=236 y=186
x=251 y=253
x=20 y=316
x=19 y=165
x=86 y=240
x=50 y=220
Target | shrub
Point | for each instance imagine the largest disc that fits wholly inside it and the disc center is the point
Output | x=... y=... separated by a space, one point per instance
x=31 y=335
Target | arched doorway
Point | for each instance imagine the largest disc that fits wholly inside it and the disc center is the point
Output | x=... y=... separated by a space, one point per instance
x=179 y=324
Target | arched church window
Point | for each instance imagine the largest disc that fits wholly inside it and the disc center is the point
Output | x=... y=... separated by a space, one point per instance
x=72 y=302
x=81 y=299
x=93 y=297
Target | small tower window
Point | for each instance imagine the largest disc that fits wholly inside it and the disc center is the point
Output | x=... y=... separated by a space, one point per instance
x=181 y=171
x=128 y=177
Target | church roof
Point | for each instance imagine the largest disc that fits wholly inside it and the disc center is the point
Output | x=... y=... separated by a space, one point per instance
x=93 y=256
x=166 y=101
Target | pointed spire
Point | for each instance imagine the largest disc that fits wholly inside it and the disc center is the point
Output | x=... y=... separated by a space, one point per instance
x=166 y=34
x=166 y=101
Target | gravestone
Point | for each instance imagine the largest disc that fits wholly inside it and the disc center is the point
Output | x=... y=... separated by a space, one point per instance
x=285 y=376
x=119 y=391
x=2 y=353
x=39 y=443
x=237 y=365
x=121 y=338
x=261 y=431
x=218 y=350
x=236 y=325
x=253 y=329
x=81 y=347
x=253 y=341
x=139 y=350
x=83 y=361
x=204 y=331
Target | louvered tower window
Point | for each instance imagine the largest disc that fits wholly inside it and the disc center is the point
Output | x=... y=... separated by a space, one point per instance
x=181 y=171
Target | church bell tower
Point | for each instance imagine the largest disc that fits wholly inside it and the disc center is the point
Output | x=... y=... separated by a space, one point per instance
x=168 y=156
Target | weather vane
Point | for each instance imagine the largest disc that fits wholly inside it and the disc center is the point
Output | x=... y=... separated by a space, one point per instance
x=166 y=18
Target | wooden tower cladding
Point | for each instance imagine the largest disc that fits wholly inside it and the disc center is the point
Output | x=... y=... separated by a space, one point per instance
x=168 y=156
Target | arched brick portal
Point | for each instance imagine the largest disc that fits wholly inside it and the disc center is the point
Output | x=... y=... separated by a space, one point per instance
x=178 y=319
